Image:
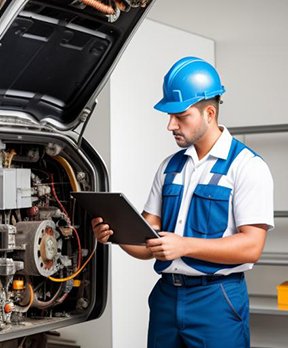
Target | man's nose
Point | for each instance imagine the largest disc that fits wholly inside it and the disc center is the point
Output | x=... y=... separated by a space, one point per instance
x=173 y=124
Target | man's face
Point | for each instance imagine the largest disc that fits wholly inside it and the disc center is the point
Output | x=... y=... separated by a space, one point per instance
x=188 y=127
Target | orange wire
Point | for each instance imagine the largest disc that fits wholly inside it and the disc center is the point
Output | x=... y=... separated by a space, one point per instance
x=56 y=197
x=99 y=6
x=79 y=247
x=72 y=276
x=73 y=228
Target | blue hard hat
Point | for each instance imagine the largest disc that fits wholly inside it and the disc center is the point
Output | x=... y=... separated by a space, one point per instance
x=189 y=81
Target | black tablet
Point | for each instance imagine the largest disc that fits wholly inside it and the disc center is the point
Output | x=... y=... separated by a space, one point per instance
x=128 y=225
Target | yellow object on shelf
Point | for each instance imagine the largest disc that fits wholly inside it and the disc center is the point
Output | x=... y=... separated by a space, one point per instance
x=282 y=295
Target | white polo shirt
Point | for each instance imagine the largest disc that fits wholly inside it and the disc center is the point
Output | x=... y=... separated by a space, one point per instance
x=251 y=199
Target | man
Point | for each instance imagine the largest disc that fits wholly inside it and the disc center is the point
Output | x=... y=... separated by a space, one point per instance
x=213 y=202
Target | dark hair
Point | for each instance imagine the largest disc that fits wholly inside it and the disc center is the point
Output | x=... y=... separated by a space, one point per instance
x=213 y=101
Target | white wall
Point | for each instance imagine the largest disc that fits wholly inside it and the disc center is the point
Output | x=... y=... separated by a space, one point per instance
x=251 y=50
x=139 y=142
x=97 y=333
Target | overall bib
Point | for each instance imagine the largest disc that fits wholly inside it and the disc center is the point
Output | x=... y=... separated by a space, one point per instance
x=205 y=311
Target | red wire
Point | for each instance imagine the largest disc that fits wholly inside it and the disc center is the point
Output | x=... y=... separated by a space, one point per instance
x=73 y=228
x=56 y=197
x=79 y=247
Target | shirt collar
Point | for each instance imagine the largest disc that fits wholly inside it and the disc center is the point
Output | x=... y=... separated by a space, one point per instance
x=219 y=150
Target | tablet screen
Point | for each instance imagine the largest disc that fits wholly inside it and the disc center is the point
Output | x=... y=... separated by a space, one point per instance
x=128 y=225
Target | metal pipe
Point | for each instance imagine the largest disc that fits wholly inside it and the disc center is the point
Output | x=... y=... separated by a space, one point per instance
x=275 y=128
x=280 y=213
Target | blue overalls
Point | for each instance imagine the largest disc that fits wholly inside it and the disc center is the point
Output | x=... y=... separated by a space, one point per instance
x=204 y=311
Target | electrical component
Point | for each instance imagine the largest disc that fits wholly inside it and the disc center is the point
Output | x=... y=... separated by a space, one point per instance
x=40 y=248
x=15 y=189
x=111 y=8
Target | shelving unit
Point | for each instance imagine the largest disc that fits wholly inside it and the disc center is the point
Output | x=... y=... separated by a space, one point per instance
x=265 y=304
x=264 y=308
x=273 y=259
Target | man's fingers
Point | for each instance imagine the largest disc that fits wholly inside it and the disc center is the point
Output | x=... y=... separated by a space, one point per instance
x=106 y=233
x=155 y=249
x=96 y=221
x=104 y=236
x=102 y=231
x=153 y=242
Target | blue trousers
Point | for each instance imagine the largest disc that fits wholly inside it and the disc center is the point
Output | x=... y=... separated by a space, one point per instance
x=212 y=314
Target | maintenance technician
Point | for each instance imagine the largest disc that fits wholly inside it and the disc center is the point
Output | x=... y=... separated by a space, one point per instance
x=213 y=202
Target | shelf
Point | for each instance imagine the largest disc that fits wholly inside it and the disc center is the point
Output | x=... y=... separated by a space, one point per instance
x=280 y=213
x=264 y=304
x=265 y=346
x=276 y=128
x=273 y=259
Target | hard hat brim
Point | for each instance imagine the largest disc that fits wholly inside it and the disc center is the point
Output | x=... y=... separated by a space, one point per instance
x=176 y=107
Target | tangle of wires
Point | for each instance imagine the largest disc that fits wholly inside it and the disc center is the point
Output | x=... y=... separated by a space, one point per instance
x=113 y=8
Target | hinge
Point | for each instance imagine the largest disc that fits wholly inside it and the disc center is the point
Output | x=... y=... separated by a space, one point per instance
x=84 y=119
x=12 y=11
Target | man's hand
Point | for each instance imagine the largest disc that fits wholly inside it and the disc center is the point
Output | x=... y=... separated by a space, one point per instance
x=169 y=247
x=101 y=230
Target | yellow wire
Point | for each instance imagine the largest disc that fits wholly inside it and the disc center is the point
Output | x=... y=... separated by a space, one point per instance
x=69 y=170
x=10 y=156
x=72 y=276
x=75 y=187
x=25 y=308
x=31 y=294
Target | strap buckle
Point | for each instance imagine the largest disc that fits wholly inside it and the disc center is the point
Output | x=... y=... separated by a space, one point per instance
x=177 y=279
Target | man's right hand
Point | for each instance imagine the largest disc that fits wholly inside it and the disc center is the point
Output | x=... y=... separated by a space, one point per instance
x=101 y=230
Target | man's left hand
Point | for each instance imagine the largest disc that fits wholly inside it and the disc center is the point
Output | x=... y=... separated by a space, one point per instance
x=169 y=247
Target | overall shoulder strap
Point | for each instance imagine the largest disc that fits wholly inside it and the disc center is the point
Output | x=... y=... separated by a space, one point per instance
x=222 y=166
x=175 y=165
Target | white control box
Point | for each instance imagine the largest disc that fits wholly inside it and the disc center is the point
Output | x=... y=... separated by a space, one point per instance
x=15 y=188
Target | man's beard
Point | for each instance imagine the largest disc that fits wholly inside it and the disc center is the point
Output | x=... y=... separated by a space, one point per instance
x=185 y=142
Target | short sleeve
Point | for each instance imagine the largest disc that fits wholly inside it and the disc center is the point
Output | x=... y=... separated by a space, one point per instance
x=253 y=194
x=154 y=202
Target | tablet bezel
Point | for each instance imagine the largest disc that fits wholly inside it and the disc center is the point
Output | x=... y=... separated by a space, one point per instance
x=118 y=212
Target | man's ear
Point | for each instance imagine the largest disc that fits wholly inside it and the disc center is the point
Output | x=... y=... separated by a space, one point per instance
x=211 y=113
